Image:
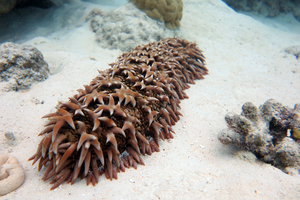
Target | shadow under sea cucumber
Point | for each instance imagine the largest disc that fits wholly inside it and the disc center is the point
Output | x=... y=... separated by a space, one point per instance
x=121 y=114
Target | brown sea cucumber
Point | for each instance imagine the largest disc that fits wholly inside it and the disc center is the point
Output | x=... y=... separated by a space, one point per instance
x=121 y=114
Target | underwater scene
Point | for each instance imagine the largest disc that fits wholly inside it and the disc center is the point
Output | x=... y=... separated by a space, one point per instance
x=149 y=99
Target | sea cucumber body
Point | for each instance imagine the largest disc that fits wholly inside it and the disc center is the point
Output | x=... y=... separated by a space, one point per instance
x=121 y=114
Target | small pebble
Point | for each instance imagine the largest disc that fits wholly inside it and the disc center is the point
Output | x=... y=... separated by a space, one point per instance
x=208 y=181
x=9 y=135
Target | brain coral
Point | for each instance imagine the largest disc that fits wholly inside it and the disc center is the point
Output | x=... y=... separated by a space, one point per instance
x=271 y=132
x=12 y=174
x=168 y=11
x=121 y=114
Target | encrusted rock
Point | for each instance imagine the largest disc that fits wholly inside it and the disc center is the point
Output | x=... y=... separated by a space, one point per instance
x=21 y=65
x=126 y=27
x=270 y=132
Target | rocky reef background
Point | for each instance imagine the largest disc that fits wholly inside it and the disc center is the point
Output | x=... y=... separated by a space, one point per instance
x=267 y=8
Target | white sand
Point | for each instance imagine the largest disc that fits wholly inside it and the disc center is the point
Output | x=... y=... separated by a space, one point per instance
x=246 y=62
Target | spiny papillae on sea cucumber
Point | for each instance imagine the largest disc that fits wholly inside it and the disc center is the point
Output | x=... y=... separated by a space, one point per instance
x=121 y=114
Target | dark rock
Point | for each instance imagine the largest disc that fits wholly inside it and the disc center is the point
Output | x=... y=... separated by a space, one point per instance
x=8 y=5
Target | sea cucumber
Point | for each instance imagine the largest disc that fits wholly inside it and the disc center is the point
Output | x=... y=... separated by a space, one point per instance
x=121 y=114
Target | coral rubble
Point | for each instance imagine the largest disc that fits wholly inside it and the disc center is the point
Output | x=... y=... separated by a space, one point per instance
x=121 y=114
x=271 y=132
x=11 y=174
x=167 y=11
x=126 y=27
x=21 y=65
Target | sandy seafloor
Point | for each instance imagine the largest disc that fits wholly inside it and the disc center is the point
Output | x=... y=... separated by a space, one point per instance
x=246 y=62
